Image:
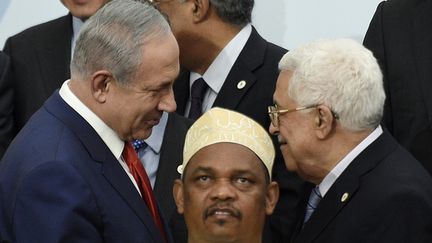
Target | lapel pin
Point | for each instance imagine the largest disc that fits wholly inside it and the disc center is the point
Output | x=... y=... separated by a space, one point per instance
x=241 y=84
x=344 y=197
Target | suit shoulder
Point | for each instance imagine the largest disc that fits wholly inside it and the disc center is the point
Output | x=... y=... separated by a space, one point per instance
x=42 y=30
x=273 y=48
x=179 y=120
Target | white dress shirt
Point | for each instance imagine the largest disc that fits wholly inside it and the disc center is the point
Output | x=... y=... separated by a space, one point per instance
x=108 y=136
x=77 y=23
x=331 y=177
x=219 y=69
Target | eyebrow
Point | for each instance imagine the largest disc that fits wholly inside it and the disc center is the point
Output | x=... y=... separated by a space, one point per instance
x=162 y=85
x=203 y=169
x=235 y=172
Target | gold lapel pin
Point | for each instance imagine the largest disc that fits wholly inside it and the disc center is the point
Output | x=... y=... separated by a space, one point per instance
x=344 y=197
x=241 y=84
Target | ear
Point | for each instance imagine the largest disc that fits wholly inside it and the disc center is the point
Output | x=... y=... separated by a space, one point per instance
x=178 y=195
x=323 y=121
x=272 y=196
x=100 y=85
x=200 y=10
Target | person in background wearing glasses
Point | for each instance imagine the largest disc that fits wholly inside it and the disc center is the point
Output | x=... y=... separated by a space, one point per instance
x=364 y=187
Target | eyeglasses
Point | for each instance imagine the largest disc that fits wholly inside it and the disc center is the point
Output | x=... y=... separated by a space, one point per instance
x=274 y=112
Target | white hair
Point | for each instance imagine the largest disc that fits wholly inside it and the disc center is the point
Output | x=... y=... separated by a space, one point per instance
x=341 y=74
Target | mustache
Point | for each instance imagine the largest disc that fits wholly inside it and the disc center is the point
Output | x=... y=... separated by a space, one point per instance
x=222 y=207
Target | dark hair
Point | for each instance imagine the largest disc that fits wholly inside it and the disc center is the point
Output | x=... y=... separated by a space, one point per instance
x=236 y=12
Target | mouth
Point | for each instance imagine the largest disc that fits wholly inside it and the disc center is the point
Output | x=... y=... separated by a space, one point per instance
x=153 y=122
x=222 y=213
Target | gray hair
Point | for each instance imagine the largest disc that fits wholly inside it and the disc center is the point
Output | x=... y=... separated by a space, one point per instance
x=113 y=38
x=236 y=12
x=341 y=74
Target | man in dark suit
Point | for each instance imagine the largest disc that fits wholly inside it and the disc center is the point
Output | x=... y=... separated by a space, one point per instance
x=228 y=64
x=71 y=174
x=400 y=38
x=6 y=93
x=364 y=187
x=40 y=58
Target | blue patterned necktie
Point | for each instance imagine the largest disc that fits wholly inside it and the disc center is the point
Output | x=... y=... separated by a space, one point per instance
x=138 y=144
x=312 y=204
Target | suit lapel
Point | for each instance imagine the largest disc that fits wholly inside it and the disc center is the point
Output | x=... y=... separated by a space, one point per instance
x=250 y=58
x=328 y=208
x=111 y=169
x=348 y=183
x=54 y=54
x=422 y=46
x=170 y=158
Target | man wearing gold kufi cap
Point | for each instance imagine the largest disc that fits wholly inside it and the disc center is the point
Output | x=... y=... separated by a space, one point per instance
x=226 y=190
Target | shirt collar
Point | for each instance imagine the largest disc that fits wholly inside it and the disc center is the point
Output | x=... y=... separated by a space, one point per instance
x=219 y=69
x=156 y=137
x=108 y=136
x=77 y=23
x=331 y=177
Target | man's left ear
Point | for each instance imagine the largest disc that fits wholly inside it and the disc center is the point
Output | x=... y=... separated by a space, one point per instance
x=200 y=10
x=178 y=195
x=323 y=121
x=100 y=85
x=272 y=196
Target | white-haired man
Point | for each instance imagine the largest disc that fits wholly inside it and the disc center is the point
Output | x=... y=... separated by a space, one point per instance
x=364 y=186
x=226 y=190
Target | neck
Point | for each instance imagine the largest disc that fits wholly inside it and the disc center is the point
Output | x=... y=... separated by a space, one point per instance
x=211 y=44
x=337 y=147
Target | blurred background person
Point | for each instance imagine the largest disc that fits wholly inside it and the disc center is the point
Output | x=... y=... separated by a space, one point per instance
x=364 y=186
x=226 y=63
x=226 y=189
x=400 y=37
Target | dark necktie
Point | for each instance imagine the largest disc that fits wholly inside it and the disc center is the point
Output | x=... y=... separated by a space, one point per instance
x=141 y=178
x=314 y=199
x=198 y=90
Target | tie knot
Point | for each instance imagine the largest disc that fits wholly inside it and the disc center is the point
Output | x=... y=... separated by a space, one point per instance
x=314 y=198
x=129 y=154
x=138 y=144
x=198 y=89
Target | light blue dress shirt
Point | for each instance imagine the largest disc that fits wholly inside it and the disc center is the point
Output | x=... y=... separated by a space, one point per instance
x=150 y=154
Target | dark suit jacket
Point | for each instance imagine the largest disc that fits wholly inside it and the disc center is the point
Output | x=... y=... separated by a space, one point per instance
x=257 y=64
x=6 y=94
x=400 y=36
x=170 y=158
x=60 y=183
x=40 y=58
x=390 y=200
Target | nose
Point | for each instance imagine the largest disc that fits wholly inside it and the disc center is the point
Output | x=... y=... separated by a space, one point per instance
x=273 y=130
x=223 y=191
x=167 y=102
